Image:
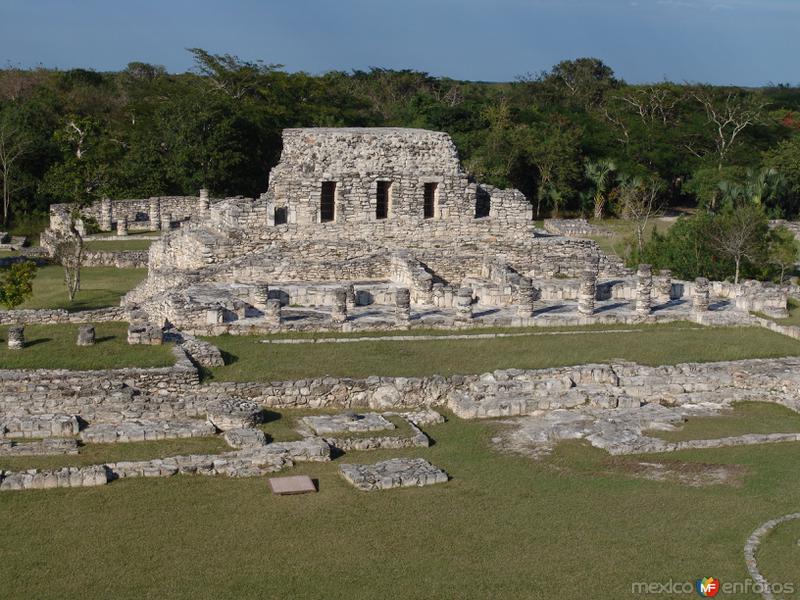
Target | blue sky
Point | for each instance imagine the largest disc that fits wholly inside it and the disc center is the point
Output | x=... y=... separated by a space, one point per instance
x=743 y=42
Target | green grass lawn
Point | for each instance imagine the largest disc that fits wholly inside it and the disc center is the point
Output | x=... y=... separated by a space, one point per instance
x=118 y=245
x=53 y=347
x=100 y=287
x=746 y=417
x=95 y=454
x=574 y=525
x=250 y=360
x=794 y=314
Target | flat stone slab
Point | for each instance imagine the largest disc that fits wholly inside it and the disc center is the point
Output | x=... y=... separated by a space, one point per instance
x=393 y=473
x=245 y=438
x=294 y=484
x=347 y=423
x=234 y=413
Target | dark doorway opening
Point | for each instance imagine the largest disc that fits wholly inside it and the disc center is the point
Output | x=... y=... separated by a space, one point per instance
x=429 y=201
x=382 y=197
x=327 y=202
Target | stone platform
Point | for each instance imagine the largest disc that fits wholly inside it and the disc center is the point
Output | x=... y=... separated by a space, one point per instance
x=393 y=473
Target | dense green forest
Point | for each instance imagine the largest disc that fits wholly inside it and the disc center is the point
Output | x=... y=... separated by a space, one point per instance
x=569 y=138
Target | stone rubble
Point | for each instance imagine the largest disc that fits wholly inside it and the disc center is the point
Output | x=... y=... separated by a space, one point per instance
x=393 y=473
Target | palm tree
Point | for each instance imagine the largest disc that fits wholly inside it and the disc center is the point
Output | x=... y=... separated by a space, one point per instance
x=599 y=173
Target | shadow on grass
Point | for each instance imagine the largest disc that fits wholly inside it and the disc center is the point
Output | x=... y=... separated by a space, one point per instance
x=105 y=338
x=229 y=358
x=36 y=342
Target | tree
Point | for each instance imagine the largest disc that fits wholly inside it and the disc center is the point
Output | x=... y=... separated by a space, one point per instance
x=584 y=80
x=640 y=200
x=16 y=283
x=740 y=232
x=728 y=114
x=785 y=158
x=229 y=74
x=599 y=173
x=553 y=148
x=760 y=187
x=784 y=251
x=14 y=144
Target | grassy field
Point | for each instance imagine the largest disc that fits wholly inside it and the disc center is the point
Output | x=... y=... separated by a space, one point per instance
x=248 y=359
x=53 y=347
x=578 y=524
x=747 y=417
x=100 y=287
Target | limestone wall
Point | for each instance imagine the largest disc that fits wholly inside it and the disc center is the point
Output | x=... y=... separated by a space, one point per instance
x=357 y=159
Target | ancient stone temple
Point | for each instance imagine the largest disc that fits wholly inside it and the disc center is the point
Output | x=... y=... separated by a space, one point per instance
x=369 y=210
x=358 y=175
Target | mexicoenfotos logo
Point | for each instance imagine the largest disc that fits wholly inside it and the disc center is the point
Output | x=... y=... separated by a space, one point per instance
x=707 y=587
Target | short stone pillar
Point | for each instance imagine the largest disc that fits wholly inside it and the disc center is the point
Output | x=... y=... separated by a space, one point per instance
x=351 y=295
x=86 y=335
x=203 y=202
x=663 y=286
x=463 y=303
x=122 y=225
x=700 y=295
x=526 y=298
x=154 y=213
x=644 y=290
x=166 y=221
x=339 y=310
x=587 y=292
x=402 y=305
x=261 y=295
x=105 y=222
x=16 y=337
x=272 y=312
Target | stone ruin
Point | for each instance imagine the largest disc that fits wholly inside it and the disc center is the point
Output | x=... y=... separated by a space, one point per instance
x=382 y=228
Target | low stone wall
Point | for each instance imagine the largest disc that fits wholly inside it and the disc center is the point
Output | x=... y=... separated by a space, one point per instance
x=575 y=228
x=123 y=259
x=111 y=395
x=52 y=316
x=131 y=394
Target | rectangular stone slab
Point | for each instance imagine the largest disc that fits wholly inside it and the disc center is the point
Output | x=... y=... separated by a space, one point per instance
x=294 y=484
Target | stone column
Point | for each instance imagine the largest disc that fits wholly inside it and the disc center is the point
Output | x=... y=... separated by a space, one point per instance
x=402 y=305
x=203 y=203
x=261 y=295
x=16 y=337
x=166 y=221
x=644 y=290
x=351 y=295
x=272 y=312
x=463 y=303
x=339 y=310
x=700 y=293
x=105 y=220
x=587 y=292
x=86 y=335
x=122 y=225
x=664 y=286
x=155 y=213
x=527 y=298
